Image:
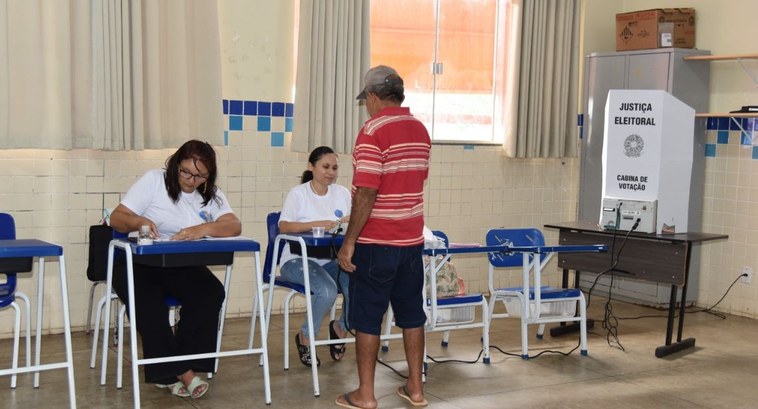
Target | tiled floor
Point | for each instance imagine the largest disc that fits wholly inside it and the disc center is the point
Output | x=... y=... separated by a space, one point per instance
x=720 y=372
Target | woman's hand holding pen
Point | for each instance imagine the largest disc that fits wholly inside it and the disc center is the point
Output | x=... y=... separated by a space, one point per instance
x=227 y=225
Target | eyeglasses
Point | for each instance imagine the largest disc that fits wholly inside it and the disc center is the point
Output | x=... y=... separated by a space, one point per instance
x=187 y=175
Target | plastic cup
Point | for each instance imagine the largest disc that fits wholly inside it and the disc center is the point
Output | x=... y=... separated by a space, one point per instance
x=318 y=232
x=145 y=236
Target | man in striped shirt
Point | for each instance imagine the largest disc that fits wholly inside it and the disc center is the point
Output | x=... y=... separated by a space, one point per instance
x=384 y=240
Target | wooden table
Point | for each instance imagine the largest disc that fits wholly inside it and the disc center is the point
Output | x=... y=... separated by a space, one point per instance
x=660 y=258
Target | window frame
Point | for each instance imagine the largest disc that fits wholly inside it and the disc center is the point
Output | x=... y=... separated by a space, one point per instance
x=496 y=98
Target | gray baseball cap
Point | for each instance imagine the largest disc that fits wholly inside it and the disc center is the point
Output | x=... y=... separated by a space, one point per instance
x=375 y=77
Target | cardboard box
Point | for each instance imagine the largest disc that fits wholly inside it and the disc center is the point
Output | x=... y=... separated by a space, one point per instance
x=655 y=28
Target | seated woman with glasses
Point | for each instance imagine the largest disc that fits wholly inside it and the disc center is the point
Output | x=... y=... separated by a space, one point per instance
x=317 y=202
x=181 y=202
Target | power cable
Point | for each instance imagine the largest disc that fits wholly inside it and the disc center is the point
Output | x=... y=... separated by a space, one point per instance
x=610 y=322
x=708 y=310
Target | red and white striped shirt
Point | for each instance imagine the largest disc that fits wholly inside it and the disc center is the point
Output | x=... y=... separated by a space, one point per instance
x=391 y=155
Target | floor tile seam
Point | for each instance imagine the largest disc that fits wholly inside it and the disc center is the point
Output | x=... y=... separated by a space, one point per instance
x=541 y=386
x=524 y=389
x=661 y=391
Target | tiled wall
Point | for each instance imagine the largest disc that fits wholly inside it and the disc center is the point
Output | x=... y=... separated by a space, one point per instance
x=56 y=195
x=731 y=194
x=273 y=119
x=736 y=131
x=730 y=198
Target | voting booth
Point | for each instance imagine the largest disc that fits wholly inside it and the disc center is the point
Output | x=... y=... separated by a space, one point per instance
x=647 y=161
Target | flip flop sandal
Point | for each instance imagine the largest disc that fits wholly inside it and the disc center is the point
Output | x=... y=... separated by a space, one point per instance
x=405 y=394
x=197 y=388
x=337 y=351
x=176 y=389
x=305 y=352
x=347 y=403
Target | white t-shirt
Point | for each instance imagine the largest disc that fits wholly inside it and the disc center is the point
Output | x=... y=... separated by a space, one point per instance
x=149 y=198
x=304 y=205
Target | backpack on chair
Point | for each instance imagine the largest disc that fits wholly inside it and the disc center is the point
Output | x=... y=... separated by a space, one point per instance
x=100 y=237
x=448 y=282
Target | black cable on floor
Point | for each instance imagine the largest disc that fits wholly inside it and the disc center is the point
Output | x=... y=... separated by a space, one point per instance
x=547 y=351
x=458 y=361
x=478 y=357
x=708 y=310
x=391 y=368
x=610 y=323
x=436 y=361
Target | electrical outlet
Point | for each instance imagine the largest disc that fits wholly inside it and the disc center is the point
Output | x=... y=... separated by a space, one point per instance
x=747 y=275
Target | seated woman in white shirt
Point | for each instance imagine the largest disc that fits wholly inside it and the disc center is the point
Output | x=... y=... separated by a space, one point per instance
x=317 y=202
x=181 y=202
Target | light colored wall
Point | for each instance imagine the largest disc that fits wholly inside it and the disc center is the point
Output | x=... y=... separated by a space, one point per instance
x=723 y=27
x=731 y=190
x=256 y=49
x=56 y=195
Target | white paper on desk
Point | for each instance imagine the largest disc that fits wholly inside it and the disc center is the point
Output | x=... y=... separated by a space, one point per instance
x=206 y=238
x=464 y=245
x=226 y=238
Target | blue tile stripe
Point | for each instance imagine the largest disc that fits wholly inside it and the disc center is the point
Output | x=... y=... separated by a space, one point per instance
x=251 y=108
x=235 y=107
x=710 y=150
x=250 y=115
x=746 y=138
x=723 y=137
x=235 y=123
x=735 y=130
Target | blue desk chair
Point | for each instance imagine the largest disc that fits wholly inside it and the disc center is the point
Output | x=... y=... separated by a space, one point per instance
x=449 y=313
x=531 y=302
x=293 y=289
x=8 y=291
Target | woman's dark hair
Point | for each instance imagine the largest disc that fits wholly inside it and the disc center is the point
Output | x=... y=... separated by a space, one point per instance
x=199 y=152
x=312 y=159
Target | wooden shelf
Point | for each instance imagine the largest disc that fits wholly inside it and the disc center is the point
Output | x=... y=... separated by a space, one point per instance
x=727 y=114
x=721 y=57
x=748 y=70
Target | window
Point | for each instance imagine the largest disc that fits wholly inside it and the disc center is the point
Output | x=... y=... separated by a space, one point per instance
x=453 y=57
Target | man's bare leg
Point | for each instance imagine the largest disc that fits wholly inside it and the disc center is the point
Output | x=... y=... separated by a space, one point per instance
x=413 y=342
x=366 y=348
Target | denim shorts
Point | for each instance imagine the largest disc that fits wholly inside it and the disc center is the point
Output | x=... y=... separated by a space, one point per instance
x=383 y=275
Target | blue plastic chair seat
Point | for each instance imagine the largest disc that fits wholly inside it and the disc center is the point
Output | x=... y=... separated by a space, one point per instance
x=459 y=299
x=292 y=286
x=171 y=301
